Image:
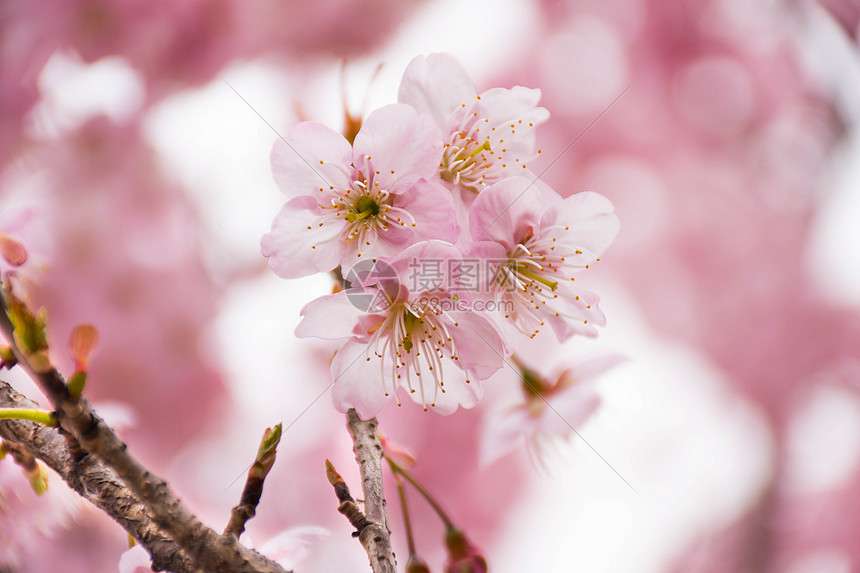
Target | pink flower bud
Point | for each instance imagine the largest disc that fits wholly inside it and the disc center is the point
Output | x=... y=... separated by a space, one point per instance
x=463 y=557
x=82 y=342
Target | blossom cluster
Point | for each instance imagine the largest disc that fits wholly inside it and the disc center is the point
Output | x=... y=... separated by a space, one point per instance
x=450 y=246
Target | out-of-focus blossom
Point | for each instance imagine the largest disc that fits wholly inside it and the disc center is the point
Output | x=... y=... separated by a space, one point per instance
x=175 y=45
x=550 y=409
x=293 y=545
x=126 y=259
x=846 y=13
x=426 y=341
x=713 y=158
x=287 y=549
x=371 y=199
x=488 y=137
x=535 y=242
x=27 y=518
x=397 y=453
x=135 y=560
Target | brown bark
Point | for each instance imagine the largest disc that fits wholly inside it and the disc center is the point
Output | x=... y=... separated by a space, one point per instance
x=206 y=549
x=375 y=536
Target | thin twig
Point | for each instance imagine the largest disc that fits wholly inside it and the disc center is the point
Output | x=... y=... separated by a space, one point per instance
x=347 y=505
x=207 y=549
x=247 y=507
x=375 y=536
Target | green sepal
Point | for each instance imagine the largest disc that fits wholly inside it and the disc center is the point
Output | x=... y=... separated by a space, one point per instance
x=77 y=382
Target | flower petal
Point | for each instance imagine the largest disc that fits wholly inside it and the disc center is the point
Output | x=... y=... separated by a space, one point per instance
x=359 y=380
x=291 y=546
x=503 y=432
x=514 y=115
x=433 y=209
x=578 y=313
x=404 y=147
x=296 y=163
x=425 y=266
x=500 y=105
x=298 y=246
x=488 y=254
x=457 y=392
x=507 y=211
x=135 y=560
x=480 y=347
x=330 y=317
x=570 y=408
x=437 y=85
x=588 y=222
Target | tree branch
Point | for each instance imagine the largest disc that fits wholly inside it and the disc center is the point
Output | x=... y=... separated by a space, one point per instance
x=347 y=505
x=94 y=481
x=375 y=536
x=207 y=549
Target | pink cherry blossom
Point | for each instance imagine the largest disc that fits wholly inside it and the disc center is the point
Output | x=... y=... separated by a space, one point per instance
x=549 y=409
x=427 y=341
x=27 y=520
x=534 y=248
x=123 y=236
x=488 y=137
x=372 y=199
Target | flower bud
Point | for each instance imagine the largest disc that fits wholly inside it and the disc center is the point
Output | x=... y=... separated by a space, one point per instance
x=463 y=557
x=416 y=565
x=82 y=341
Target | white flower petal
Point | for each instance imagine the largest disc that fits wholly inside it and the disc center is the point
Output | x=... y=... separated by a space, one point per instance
x=437 y=85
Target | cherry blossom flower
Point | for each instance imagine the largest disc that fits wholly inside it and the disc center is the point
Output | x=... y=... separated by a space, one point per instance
x=549 y=409
x=28 y=520
x=534 y=249
x=428 y=341
x=369 y=200
x=488 y=137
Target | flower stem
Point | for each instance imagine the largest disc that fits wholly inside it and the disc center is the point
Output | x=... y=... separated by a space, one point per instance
x=41 y=416
x=424 y=493
x=401 y=491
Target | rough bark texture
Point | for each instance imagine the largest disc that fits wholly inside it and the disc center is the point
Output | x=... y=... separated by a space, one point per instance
x=205 y=548
x=375 y=536
x=94 y=481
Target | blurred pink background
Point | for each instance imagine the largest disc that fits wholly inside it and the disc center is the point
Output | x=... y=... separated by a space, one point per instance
x=724 y=131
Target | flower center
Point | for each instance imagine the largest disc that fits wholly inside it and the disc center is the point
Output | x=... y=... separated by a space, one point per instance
x=464 y=161
x=363 y=208
x=531 y=278
x=412 y=342
x=480 y=153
